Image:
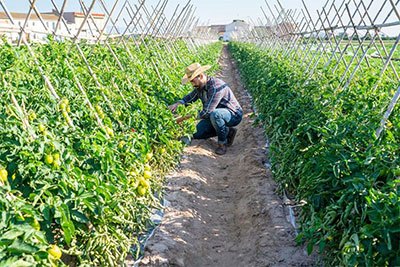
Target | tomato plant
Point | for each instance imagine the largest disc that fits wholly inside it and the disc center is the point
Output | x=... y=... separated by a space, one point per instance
x=77 y=184
x=324 y=152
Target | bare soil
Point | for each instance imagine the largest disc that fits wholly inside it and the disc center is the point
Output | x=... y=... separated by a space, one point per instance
x=223 y=210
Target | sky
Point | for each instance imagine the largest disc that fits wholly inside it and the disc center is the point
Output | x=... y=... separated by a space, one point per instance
x=218 y=11
x=213 y=11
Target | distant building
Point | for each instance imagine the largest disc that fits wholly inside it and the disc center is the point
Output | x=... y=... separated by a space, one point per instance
x=261 y=31
x=284 y=29
x=37 y=30
x=92 y=27
x=34 y=29
x=236 y=30
x=218 y=29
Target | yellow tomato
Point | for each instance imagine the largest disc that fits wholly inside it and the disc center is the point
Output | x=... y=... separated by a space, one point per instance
x=134 y=183
x=147 y=167
x=121 y=144
x=55 y=252
x=149 y=156
x=147 y=174
x=144 y=183
x=56 y=163
x=56 y=156
x=63 y=106
x=3 y=175
x=141 y=190
x=109 y=131
x=48 y=159
x=32 y=116
x=42 y=128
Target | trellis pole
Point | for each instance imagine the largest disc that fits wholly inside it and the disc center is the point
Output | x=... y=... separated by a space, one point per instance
x=320 y=39
x=301 y=48
x=144 y=42
x=277 y=27
x=152 y=27
x=87 y=100
x=386 y=116
x=42 y=72
x=308 y=46
x=328 y=33
x=293 y=36
x=162 y=31
x=167 y=35
x=338 y=43
x=360 y=61
x=360 y=46
x=388 y=59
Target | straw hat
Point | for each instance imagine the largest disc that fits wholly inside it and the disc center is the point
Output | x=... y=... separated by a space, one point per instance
x=193 y=70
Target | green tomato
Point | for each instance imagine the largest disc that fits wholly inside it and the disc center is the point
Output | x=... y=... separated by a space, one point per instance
x=36 y=225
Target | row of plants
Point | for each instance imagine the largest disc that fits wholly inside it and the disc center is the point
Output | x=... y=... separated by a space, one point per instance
x=324 y=153
x=83 y=156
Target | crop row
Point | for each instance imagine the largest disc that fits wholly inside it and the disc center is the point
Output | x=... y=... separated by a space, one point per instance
x=324 y=153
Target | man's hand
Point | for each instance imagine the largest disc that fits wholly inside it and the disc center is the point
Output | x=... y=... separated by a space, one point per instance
x=174 y=106
x=181 y=119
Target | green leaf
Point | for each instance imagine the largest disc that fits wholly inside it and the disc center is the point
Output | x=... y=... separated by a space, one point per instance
x=310 y=248
x=79 y=217
x=66 y=223
x=12 y=234
x=21 y=263
x=356 y=241
x=19 y=247
x=15 y=262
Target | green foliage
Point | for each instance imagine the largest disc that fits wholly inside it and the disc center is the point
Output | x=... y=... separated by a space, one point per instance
x=323 y=151
x=70 y=180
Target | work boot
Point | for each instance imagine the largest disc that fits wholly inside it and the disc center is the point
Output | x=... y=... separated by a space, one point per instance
x=186 y=140
x=231 y=136
x=221 y=149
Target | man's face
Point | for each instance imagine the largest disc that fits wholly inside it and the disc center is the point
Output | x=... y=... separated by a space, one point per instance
x=198 y=81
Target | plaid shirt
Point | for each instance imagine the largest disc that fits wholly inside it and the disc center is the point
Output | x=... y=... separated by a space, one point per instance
x=215 y=94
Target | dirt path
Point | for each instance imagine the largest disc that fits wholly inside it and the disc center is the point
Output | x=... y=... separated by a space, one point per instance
x=223 y=210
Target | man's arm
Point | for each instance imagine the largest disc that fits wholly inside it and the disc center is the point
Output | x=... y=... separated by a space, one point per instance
x=189 y=98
